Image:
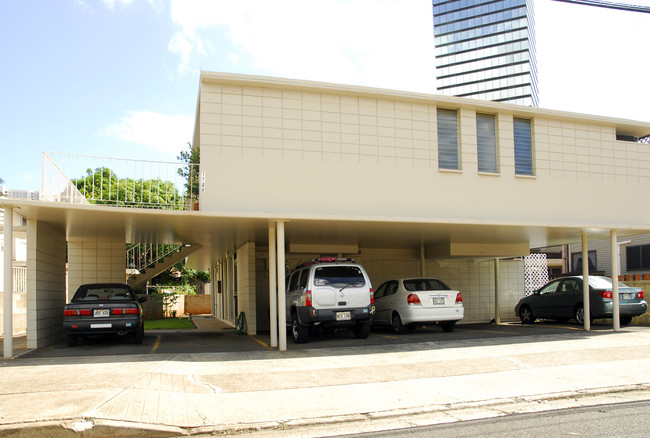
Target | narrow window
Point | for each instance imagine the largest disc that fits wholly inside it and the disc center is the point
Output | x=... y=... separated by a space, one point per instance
x=487 y=143
x=448 y=139
x=523 y=147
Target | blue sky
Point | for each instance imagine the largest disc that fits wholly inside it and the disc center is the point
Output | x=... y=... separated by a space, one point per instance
x=119 y=78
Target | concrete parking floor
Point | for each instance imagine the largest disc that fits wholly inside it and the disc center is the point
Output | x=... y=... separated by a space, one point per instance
x=243 y=385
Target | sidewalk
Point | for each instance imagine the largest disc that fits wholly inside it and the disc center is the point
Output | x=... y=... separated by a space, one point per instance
x=225 y=392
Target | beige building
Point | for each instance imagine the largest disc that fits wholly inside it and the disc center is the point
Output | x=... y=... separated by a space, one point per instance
x=407 y=184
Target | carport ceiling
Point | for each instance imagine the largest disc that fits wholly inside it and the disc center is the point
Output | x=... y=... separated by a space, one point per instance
x=218 y=233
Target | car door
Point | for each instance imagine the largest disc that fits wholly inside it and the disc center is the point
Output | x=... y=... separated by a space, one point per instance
x=542 y=301
x=384 y=299
x=566 y=297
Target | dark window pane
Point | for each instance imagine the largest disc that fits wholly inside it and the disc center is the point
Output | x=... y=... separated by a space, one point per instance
x=523 y=147
x=448 y=139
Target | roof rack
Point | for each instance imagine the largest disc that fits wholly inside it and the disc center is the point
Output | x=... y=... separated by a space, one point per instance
x=325 y=259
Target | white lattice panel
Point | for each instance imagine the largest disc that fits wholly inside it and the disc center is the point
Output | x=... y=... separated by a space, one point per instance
x=535 y=272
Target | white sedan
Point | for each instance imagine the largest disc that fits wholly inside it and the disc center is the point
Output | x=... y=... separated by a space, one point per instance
x=405 y=303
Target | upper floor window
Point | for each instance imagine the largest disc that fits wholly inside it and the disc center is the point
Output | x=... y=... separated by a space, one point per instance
x=448 y=139
x=523 y=147
x=487 y=143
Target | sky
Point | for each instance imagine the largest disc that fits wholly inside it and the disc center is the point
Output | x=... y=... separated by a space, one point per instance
x=119 y=78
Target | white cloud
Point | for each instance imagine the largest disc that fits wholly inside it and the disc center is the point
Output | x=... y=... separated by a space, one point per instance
x=383 y=43
x=167 y=133
x=112 y=3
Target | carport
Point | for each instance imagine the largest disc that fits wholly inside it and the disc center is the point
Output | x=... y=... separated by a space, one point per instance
x=219 y=234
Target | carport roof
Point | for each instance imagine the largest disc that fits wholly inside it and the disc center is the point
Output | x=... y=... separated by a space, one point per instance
x=218 y=233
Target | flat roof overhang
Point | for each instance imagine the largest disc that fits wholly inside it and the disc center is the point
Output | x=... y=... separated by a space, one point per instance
x=218 y=233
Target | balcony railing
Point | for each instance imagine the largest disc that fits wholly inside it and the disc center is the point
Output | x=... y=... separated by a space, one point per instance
x=87 y=179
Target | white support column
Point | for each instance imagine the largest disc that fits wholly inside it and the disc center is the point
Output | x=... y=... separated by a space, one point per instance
x=282 y=299
x=497 y=274
x=8 y=349
x=586 y=302
x=273 y=284
x=614 y=248
x=423 y=261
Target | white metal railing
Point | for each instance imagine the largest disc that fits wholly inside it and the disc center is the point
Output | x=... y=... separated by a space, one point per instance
x=19 y=280
x=119 y=182
x=142 y=255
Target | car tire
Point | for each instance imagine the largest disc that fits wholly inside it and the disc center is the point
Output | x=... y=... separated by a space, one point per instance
x=396 y=324
x=579 y=315
x=300 y=332
x=72 y=340
x=625 y=320
x=138 y=336
x=448 y=326
x=526 y=315
x=362 y=330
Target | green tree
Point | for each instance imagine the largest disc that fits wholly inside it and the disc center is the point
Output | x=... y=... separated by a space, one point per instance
x=191 y=170
x=103 y=186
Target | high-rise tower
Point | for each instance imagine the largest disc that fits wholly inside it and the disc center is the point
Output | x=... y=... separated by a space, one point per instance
x=485 y=49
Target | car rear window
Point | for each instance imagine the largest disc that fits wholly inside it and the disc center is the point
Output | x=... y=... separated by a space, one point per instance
x=419 y=284
x=339 y=276
x=602 y=283
x=94 y=293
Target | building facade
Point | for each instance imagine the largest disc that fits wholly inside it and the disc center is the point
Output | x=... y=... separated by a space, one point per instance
x=485 y=49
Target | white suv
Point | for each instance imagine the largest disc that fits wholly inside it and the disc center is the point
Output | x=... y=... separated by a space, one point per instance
x=329 y=292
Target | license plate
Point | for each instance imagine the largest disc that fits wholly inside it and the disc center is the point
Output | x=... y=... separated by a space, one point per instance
x=438 y=301
x=627 y=296
x=343 y=316
x=102 y=313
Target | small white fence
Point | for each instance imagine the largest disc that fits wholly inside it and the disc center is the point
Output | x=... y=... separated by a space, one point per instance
x=119 y=182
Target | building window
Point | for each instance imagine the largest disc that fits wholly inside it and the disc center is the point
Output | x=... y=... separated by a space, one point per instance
x=487 y=143
x=576 y=262
x=638 y=257
x=448 y=139
x=523 y=147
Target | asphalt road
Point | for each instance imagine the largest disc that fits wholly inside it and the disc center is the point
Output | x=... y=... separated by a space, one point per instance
x=629 y=420
x=197 y=341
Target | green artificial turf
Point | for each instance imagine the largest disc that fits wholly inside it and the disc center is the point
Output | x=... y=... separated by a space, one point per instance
x=168 y=323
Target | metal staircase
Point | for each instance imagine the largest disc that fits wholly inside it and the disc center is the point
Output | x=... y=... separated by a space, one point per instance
x=145 y=261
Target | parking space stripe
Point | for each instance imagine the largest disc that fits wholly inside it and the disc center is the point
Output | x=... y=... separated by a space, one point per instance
x=262 y=343
x=156 y=344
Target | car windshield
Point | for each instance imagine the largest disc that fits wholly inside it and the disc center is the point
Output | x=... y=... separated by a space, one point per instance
x=349 y=276
x=419 y=284
x=94 y=293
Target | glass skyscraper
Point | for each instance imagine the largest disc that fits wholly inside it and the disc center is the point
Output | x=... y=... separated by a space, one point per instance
x=485 y=49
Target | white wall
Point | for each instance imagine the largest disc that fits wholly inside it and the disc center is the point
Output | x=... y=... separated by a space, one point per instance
x=45 y=284
x=96 y=260
x=303 y=150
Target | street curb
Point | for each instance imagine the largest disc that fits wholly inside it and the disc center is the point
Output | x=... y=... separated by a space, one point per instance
x=88 y=427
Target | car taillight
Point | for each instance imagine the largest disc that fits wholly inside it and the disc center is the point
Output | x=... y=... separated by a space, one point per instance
x=116 y=311
x=131 y=311
x=640 y=294
x=84 y=312
x=372 y=296
x=413 y=299
x=308 y=298
x=459 y=298
x=67 y=312
x=606 y=294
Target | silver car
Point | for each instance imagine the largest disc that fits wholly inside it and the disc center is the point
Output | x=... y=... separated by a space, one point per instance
x=406 y=303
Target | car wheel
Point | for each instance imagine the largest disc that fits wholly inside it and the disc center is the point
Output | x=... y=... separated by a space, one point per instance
x=138 y=336
x=72 y=340
x=448 y=326
x=526 y=315
x=625 y=320
x=362 y=330
x=300 y=332
x=396 y=323
x=579 y=315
